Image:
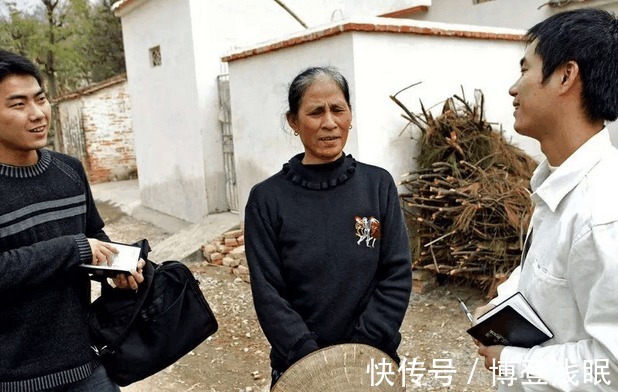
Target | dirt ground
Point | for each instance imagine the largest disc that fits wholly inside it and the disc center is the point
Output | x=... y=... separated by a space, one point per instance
x=236 y=357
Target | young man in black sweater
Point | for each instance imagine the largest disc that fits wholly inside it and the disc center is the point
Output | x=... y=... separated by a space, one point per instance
x=48 y=226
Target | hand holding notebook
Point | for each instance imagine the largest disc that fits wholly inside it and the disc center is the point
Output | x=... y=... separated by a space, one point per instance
x=124 y=261
x=513 y=322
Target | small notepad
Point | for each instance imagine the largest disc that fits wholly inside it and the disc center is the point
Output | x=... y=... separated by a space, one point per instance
x=124 y=261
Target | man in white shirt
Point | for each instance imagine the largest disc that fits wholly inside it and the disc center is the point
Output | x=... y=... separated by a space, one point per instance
x=567 y=90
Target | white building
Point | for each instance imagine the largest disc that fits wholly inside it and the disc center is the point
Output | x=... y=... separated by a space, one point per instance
x=379 y=57
x=173 y=52
x=517 y=14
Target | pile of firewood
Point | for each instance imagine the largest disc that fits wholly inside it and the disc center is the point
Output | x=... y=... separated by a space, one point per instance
x=468 y=203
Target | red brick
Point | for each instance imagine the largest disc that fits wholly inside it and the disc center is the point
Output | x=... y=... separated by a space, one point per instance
x=231 y=242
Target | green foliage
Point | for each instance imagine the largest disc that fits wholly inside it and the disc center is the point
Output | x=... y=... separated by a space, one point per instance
x=21 y=33
x=105 y=60
x=75 y=42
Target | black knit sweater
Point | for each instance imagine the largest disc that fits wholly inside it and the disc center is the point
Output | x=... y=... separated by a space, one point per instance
x=46 y=215
x=316 y=280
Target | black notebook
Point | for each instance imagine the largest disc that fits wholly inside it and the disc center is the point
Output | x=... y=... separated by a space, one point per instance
x=513 y=322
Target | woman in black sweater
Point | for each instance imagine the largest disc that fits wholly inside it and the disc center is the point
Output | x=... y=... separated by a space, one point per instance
x=326 y=243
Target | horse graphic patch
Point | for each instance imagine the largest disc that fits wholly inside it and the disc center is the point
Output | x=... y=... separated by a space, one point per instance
x=367 y=229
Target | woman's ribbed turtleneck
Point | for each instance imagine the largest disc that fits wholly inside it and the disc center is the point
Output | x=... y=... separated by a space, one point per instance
x=320 y=176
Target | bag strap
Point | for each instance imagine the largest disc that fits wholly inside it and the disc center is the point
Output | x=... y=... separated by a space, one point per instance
x=140 y=294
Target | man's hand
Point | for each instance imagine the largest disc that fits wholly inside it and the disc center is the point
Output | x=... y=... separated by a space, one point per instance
x=492 y=356
x=102 y=252
x=491 y=353
x=478 y=312
x=125 y=281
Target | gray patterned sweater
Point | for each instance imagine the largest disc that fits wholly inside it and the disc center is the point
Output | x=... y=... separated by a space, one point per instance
x=46 y=214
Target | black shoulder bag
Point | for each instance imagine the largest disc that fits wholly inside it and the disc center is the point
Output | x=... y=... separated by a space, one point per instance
x=137 y=334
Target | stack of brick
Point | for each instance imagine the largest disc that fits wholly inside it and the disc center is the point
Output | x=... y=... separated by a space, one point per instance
x=228 y=250
x=423 y=281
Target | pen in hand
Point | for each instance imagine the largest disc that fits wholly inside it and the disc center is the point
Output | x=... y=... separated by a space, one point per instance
x=463 y=307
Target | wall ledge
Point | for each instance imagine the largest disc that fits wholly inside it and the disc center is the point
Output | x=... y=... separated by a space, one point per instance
x=93 y=88
x=378 y=25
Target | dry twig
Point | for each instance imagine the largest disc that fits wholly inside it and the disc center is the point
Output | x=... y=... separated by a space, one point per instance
x=469 y=199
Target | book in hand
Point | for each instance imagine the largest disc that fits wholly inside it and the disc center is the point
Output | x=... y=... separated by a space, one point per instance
x=513 y=322
x=124 y=261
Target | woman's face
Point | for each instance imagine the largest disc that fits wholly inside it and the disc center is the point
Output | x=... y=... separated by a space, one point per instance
x=323 y=122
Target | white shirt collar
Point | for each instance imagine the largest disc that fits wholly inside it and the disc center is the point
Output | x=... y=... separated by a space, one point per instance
x=552 y=189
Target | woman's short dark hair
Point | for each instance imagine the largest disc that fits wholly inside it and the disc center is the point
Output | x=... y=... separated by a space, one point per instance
x=590 y=38
x=14 y=64
x=306 y=78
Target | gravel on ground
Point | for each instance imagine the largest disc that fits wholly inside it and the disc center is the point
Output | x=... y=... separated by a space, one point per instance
x=437 y=353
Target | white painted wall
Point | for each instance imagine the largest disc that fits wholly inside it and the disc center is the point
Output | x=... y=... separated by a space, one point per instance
x=518 y=14
x=218 y=26
x=318 y=12
x=166 y=121
x=376 y=66
x=175 y=106
x=387 y=63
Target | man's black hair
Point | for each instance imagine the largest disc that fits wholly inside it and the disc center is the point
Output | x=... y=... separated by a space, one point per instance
x=590 y=38
x=14 y=64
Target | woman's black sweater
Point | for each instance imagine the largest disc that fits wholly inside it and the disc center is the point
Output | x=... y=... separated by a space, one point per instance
x=324 y=272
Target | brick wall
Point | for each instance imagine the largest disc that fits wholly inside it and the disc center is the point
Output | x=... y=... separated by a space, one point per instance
x=105 y=126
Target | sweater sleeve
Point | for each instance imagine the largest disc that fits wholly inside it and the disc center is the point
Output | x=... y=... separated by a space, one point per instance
x=29 y=266
x=378 y=325
x=284 y=328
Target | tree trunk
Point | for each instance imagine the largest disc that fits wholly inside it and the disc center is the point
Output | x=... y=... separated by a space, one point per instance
x=50 y=61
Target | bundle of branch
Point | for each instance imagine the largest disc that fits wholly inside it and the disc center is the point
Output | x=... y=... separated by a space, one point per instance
x=468 y=203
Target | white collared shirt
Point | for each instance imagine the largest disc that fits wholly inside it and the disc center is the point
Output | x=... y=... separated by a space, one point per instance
x=570 y=274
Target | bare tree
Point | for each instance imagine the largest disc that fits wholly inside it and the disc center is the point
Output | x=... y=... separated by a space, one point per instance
x=49 y=62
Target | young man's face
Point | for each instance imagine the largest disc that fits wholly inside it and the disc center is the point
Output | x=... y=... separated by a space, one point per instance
x=533 y=99
x=25 y=114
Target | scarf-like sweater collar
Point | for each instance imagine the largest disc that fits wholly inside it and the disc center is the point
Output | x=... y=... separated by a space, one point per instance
x=321 y=176
x=27 y=171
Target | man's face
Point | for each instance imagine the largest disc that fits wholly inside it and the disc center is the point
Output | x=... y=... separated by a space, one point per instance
x=25 y=114
x=533 y=99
